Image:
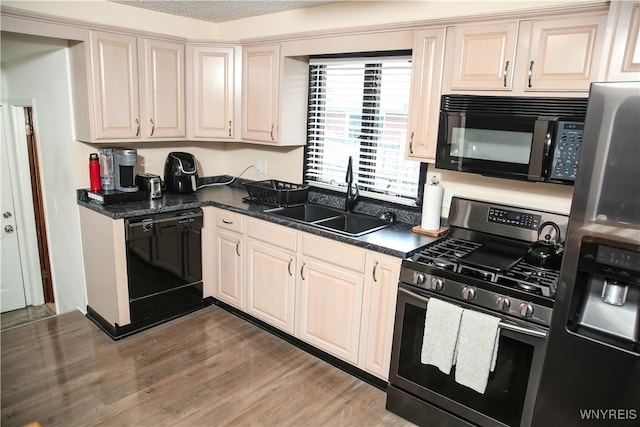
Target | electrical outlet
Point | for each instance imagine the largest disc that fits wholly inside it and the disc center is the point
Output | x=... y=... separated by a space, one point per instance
x=446 y=199
x=261 y=167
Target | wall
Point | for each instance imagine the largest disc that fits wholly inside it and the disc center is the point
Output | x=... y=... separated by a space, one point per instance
x=110 y=13
x=24 y=59
x=214 y=158
x=350 y=14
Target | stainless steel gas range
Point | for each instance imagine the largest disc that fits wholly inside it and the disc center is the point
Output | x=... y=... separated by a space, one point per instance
x=480 y=266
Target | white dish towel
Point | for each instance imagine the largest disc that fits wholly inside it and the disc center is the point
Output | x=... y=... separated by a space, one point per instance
x=441 y=326
x=477 y=349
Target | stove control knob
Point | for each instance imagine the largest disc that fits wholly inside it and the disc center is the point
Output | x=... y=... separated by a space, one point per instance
x=419 y=278
x=437 y=283
x=468 y=293
x=503 y=303
x=526 y=309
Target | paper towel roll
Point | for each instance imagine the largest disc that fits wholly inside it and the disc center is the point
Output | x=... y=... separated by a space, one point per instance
x=431 y=207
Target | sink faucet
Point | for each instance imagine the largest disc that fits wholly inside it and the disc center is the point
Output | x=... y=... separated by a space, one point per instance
x=352 y=196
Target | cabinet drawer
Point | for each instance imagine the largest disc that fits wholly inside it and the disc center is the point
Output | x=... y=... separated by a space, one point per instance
x=273 y=234
x=229 y=220
x=334 y=253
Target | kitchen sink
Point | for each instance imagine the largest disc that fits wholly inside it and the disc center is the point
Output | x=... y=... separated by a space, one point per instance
x=306 y=213
x=353 y=224
x=332 y=219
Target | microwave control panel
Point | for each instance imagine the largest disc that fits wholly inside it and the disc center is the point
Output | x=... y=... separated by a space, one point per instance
x=568 y=144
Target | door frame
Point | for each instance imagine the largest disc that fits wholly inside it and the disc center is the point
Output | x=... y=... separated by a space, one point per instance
x=16 y=139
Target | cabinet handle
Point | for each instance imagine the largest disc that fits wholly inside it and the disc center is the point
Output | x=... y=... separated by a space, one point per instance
x=411 y=143
x=238 y=248
x=273 y=125
x=289 y=266
x=506 y=68
x=227 y=221
x=302 y=272
x=137 y=127
x=375 y=267
x=530 y=72
x=229 y=127
x=153 y=126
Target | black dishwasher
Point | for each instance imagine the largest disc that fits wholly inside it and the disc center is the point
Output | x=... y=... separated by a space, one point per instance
x=164 y=265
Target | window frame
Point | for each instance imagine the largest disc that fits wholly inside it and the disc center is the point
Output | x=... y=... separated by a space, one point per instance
x=380 y=197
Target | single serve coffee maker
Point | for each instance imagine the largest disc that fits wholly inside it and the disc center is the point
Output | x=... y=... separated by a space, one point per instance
x=125 y=160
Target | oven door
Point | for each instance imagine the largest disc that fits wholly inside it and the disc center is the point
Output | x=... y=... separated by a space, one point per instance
x=511 y=389
x=495 y=145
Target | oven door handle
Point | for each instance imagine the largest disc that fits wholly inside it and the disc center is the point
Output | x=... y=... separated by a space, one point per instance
x=503 y=325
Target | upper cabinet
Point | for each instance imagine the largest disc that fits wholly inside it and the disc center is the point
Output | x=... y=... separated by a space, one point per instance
x=260 y=84
x=481 y=57
x=128 y=88
x=559 y=54
x=624 y=60
x=565 y=54
x=211 y=92
x=274 y=96
x=164 y=96
x=426 y=75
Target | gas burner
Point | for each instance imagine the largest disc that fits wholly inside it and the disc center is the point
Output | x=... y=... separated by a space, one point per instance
x=446 y=263
x=531 y=288
x=530 y=279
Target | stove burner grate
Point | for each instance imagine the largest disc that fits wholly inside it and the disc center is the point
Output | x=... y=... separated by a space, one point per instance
x=446 y=252
x=531 y=279
x=449 y=253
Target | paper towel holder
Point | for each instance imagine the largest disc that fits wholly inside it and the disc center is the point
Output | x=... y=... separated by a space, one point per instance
x=418 y=228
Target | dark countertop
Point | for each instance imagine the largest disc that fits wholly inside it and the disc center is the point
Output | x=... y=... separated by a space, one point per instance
x=397 y=240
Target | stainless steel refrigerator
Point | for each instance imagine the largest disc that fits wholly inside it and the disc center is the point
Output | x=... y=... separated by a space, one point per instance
x=591 y=372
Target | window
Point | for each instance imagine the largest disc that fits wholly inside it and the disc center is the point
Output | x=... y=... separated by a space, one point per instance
x=358 y=107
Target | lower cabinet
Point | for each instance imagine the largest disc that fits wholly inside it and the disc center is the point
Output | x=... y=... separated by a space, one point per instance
x=271 y=277
x=334 y=296
x=331 y=308
x=228 y=259
x=378 y=312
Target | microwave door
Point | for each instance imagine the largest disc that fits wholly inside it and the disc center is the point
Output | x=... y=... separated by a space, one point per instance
x=445 y=159
x=486 y=144
x=541 y=148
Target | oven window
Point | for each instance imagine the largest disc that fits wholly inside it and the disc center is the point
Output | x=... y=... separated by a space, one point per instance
x=492 y=145
x=504 y=397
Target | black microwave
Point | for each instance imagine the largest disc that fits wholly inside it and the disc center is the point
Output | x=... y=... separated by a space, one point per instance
x=532 y=139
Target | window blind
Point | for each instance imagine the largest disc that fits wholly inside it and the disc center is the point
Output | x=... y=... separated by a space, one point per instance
x=359 y=107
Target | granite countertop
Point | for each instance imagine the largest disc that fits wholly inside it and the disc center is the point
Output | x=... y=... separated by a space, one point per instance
x=396 y=240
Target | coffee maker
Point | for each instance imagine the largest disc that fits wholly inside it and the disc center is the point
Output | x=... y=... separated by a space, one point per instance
x=591 y=366
x=125 y=160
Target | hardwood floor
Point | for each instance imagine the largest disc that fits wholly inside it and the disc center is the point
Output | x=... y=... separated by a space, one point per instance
x=19 y=317
x=208 y=368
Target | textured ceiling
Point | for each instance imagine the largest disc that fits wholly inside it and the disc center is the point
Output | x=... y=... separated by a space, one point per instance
x=221 y=10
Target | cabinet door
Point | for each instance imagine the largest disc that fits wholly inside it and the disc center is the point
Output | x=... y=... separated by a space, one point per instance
x=426 y=74
x=229 y=268
x=271 y=285
x=379 y=307
x=331 y=307
x=624 y=63
x=213 y=92
x=116 y=110
x=164 y=83
x=565 y=53
x=483 y=56
x=260 y=74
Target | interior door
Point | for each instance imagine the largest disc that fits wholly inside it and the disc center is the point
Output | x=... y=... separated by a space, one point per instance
x=11 y=285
